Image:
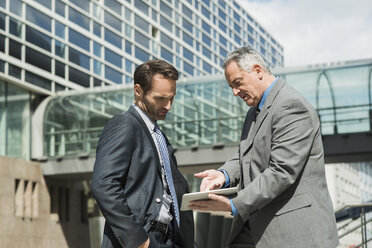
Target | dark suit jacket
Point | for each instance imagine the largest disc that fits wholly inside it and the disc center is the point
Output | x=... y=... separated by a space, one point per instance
x=127 y=183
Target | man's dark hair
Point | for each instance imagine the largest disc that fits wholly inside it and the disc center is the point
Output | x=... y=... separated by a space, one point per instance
x=145 y=72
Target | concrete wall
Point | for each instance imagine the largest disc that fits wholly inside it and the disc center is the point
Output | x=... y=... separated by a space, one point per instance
x=26 y=219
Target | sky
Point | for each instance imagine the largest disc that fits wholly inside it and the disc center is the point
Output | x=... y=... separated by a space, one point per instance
x=316 y=31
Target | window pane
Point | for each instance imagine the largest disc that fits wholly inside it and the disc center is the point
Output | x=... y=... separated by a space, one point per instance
x=207 y=67
x=113 y=5
x=128 y=66
x=78 y=18
x=83 y=4
x=60 y=29
x=97 y=67
x=167 y=55
x=188 y=39
x=165 y=23
x=16 y=7
x=112 y=21
x=205 y=12
x=38 y=81
x=78 y=39
x=188 y=54
x=165 y=39
x=15 y=49
x=188 y=68
x=142 y=24
x=207 y=53
x=38 y=18
x=60 y=49
x=2 y=3
x=113 y=75
x=142 y=6
x=78 y=77
x=15 y=27
x=187 y=11
x=59 y=69
x=97 y=49
x=113 y=58
x=38 y=59
x=79 y=58
x=2 y=21
x=128 y=47
x=166 y=9
x=46 y=3
x=14 y=71
x=97 y=29
x=206 y=27
x=187 y=25
x=2 y=43
x=60 y=8
x=38 y=38
x=141 y=54
x=141 y=39
x=113 y=38
x=206 y=40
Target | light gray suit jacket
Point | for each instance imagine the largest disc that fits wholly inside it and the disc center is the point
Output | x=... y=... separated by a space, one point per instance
x=283 y=198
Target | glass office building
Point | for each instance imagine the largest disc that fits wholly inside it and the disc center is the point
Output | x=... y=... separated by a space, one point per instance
x=54 y=45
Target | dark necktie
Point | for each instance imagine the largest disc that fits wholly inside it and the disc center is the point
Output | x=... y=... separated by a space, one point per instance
x=168 y=172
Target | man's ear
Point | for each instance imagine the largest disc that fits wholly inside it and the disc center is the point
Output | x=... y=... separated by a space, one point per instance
x=258 y=70
x=138 y=92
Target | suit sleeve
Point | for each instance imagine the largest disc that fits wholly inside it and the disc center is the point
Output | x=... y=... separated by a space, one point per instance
x=233 y=169
x=293 y=134
x=113 y=159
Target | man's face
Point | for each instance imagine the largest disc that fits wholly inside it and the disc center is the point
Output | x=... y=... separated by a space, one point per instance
x=245 y=84
x=158 y=100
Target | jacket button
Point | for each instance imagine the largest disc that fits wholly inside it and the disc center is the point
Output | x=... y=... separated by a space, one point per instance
x=158 y=200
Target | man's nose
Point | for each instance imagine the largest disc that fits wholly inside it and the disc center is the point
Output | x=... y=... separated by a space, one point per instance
x=235 y=91
x=168 y=105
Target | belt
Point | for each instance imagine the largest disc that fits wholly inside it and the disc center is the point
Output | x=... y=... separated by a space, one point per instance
x=158 y=226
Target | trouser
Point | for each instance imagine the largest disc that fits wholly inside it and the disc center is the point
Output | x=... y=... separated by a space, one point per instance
x=159 y=240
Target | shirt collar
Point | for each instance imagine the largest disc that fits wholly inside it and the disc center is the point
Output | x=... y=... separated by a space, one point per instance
x=148 y=121
x=267 y=91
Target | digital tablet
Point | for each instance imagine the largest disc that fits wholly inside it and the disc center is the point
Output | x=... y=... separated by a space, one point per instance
x=186 y=198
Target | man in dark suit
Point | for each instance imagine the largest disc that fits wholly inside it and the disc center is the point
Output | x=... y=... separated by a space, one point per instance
x=136 y=182
x=283 y=199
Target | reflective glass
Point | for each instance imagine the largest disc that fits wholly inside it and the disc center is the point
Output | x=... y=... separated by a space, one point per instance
x=78 y=39
x=2 y=43
x=128 y=47
x=97 y=49
x=166 y=9
x=222 y=26
x=15 y=49
x=3 y=110
x=128 y=15
x=141 y=54
x=2 y=21
x=187 y=38
x=166 y=23
x=15 y=27
x=206 y=27
x=15 y=7
x=78 y=18
x=46 y=3
x=60 y=48
x=59 y=69
x=97 y=67
x=188 y=54
x=112 y=21
x=207 y=67
x=113 y=5
x=38 y=59
x=167 y=55
x=128 y=31
x=206 y=40
x=38 y=18
x=59 y=29
x=83 y=4
x=38 y=81
x=2 y=3
x=165 y=39
x=141 y=39
x=206 y=12
x=128 y=66
x=222 y=14
x=97 y=29
x=143 y=7
x=113 y=58
x=18 y=123
x=141 y=23
x=113 y=75
x=187 y=11
x=113 y=38
x=78 y=77
x=154 y=15
x=79 y=58
x=223 y=41
x=188 y=68
x=97 y=11
x=187 y=25
x=238 y=40
x=14 y=71
x=207 y=53
x=38 y=38
x=60 y=7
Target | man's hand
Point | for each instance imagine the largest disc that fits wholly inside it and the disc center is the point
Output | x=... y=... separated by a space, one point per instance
x=145 y=244
x=212 y=179
x=216 y=203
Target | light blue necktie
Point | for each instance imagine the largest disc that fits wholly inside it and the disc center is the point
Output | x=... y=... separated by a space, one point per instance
x=168 y=172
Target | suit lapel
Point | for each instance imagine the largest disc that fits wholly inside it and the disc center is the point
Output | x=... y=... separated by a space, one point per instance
x=262 y=115
x=136 y=115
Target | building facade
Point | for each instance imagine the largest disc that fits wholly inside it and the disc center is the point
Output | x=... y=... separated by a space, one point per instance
x=55 y=45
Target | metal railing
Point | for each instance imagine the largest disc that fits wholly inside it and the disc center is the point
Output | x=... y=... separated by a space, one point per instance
x=354 y=218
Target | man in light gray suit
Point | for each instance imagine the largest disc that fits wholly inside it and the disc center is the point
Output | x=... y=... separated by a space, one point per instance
x=283 y=199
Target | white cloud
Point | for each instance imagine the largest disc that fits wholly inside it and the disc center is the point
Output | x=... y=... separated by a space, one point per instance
x=317 y=31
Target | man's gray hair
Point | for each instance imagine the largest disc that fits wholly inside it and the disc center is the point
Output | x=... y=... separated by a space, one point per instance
x=246 y=57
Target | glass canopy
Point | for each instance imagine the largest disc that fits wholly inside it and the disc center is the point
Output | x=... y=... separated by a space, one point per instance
x=206 y=113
